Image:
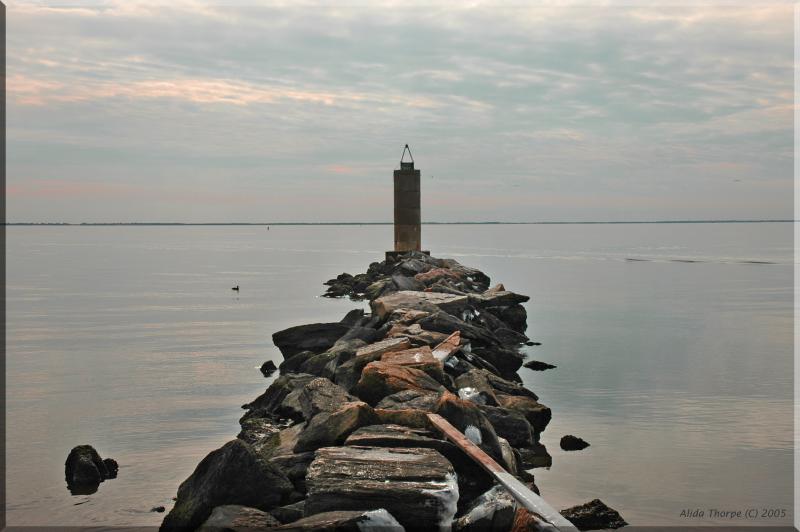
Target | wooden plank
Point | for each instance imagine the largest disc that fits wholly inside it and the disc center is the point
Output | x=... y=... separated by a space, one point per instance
x=527 y=498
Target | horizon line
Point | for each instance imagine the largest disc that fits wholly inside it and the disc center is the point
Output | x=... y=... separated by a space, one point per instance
x=545 y=222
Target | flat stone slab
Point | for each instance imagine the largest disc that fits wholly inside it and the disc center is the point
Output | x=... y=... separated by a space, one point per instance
x=413 y=300
x=417 y=486
x=397 y=436
x=418 y=358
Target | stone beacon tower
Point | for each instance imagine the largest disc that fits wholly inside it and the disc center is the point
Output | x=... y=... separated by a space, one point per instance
x=407 y=231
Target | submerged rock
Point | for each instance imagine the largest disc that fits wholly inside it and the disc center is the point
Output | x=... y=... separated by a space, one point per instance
x=342 y=521
x=268 y=368
x=535 y=365
x=573 y=443
x=417 y=486
x=236 y=518
x=84 y=470
x=594 y=515
x=233 y=474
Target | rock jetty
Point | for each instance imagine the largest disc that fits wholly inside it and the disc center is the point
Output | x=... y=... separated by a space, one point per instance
x=341 y=439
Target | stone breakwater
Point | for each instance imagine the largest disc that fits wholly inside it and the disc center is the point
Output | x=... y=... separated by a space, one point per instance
x=341 y=439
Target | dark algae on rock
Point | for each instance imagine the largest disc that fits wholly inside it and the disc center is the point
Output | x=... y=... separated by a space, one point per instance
x=341 y=439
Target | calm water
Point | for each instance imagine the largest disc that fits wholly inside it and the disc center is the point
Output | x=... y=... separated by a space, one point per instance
x=679 y=374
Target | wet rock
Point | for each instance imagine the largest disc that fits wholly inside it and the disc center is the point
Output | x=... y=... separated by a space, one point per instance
x=422 y=400
x=365 y=334
x=535 y=365
x=84 y=470
x=510 y=338
x=290 y=512
x=281 y=400
x=294 y=467
x=316 y=337
x=398 y=436
x=332 y=428
x=534 y=456
x=407 y=283
x=537 y=414
x=510 y=424
x=257 y=429
x=158 y=509
x=343 y=521
x=466 y=417
x=233 y=474
x=236 y=518
x=507 y=387
x=379 y=288
x=594 y=515
x=352 y=318
x=322 y=395
x=268 y=368
x=573 y=443
x=493 y=511
x=514 y=316
x=420 y=358
x=507 y=361
x=295 y=362
x=417 y=486
x=379 y=379
x=496 y=297
x=348 y=374
x=413 y=300
x=112 y=467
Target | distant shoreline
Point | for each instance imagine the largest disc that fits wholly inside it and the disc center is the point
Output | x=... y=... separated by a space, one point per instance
x=390 y=223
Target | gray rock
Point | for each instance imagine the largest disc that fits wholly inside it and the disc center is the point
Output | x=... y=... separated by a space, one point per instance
x=493 y=511
x=290 y=512
x=281 y=399
x=342 y=521
x=352 y=318
x=316 y=337
x=414 y=300
x=398 y=436
x=233 y=474
x=236 y=518
x=417 y=486
x=294 y=467
x=409 y=399
x=332 y=428
x=322 y=395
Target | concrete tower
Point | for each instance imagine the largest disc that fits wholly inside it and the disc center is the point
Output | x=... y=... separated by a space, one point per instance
x=407 y=233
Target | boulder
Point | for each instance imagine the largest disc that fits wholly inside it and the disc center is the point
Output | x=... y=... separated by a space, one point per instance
x=332 y=428
x=492 y=511
x=422 y=400
x=466 y=417
x=290 y=512
x=348 y=373
x=84 y=470
x=507 y=387
x=340 y=521
x=399 y=436
x=474 y=386
x=514 y=316
x=414 y=300
x=325 y=364
x=379 y=379
x=316 y=337
x=236 y=518
x=268 y=368
x=281 y=400
x=537 y=414
x=535 y=456
x=510 y=338
x=419 y=358
x=294 y=467
x=417 y=486
x=445 y=322
x=257 y=429
x=594 y=515
x=407 y=417
x=436 y=274
x=111 y=466
x=573 y=443
x=233 y=474
x=403 y=282
x=322 y=395
x=510 y=424
x=416 y=334
x=507 y=361
x=352 y=318
x=295 y=362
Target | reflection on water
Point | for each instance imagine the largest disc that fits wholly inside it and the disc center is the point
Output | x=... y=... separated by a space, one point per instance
x=673 y=345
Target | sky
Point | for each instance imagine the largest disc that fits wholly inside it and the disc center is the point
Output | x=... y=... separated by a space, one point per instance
x=188 y=111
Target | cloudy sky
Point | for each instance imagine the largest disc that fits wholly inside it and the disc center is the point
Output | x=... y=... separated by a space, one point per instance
x=193 y=111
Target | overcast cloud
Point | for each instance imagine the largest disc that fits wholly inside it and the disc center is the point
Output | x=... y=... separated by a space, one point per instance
x=191 y=111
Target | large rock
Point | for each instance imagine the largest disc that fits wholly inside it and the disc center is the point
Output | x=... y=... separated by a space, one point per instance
x=398 y=436
x=84 y=470
x=573 y=443
x=338 y=521
x=379 y=379
x=348 y=374
x=594 y=515
x=233 y=474
x=417 y=486
x=281 y=400
x=332 y=428
x=535 y=456
x=511 y=425
x=493 y=511
x=537 y=414
x=236 y=518
x=474 y=386
x=294 y=467
x=466 y=417
x=514 y=316
x=316 y=337
x=420 y=358
x=417 y=399
x=414 y=300
x=322 y=395
x=444 y=322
